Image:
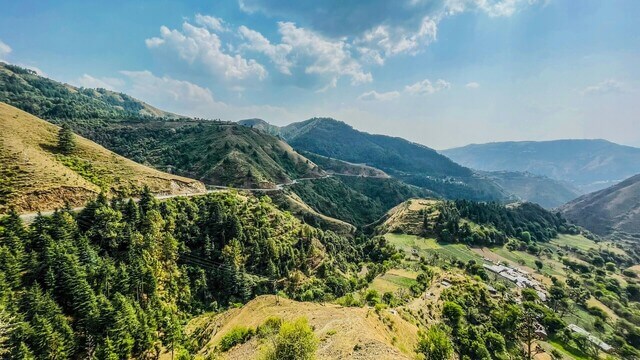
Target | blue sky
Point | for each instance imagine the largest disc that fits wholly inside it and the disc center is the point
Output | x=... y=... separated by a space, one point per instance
x=440 y=72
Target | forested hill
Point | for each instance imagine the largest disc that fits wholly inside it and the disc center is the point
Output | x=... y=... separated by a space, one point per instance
x=336 y=139
x=214 y=152
x=49 y=99
x=589 y=165
x=119 y=279
x=611 y=211
x=410 y=162
x=474 y=224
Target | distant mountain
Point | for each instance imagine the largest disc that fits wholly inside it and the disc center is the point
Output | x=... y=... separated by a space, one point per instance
x=542 y=190
x=219 y=153
x=413 y=163
x=612 y=211
x=589 y=165
x=35 y=176
x=336 y=139
x=260 y=125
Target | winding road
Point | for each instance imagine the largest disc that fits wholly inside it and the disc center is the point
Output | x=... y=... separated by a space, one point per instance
x=29 y=217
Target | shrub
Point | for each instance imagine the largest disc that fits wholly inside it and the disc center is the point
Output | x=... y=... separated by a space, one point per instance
x=270 y=327
x=237 y=335
x=295 y=341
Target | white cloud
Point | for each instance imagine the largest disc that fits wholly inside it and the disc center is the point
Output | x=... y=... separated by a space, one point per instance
x=186 y=98
x=376 y=96
x=380 y=28
x=493 y=8
x=384 y=41
x=108 y=83
x=605 y=87
x=278 y=54
x=324 y=56
x=426 y=87
x=304 y=53
x=202 y=50
x=213 y=23
x=472 y=85
x=4 y=50
x=165 y=90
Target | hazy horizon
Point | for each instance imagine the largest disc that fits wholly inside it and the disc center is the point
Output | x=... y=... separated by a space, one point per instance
x=443 y=73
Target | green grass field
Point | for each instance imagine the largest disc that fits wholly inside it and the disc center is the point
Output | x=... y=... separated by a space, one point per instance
x=427 y=246
x=582 y=243
x=394 y=279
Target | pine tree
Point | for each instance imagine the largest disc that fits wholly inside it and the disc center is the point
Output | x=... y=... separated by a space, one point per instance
x=66 y=142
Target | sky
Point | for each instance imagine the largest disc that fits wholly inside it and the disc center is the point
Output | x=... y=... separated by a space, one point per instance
x=442 y=73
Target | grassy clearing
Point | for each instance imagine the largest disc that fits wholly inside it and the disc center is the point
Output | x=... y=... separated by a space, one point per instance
x=393 y=280
x=582 y=243
x=427 y=246
x=569 y=351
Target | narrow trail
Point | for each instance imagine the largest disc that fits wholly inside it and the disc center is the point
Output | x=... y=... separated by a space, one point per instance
x=29 y=217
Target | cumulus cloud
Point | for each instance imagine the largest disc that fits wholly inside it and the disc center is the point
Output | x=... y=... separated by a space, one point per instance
x=108 y=83
x=307 y=53
x=381 y=28
x=607 y=86
x=426 y=87
x=4 y=50
x=472 y=85
x=202 y=49
x=278 y=53
x=213 y=23
x=384 y=41
x=376 y=96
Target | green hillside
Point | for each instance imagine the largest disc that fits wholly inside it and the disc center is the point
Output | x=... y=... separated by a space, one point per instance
x=410 y=162
x=356 y=200
x=36 y=175
x=613 y=212
x=121 y=278
x=218 y=153
x=49 y=99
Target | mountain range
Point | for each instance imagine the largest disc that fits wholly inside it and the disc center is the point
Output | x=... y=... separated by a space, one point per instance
x=377 y=170
x=588 y=165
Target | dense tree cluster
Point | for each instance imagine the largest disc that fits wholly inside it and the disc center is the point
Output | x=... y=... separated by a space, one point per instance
x=492 y=223
x=119 y=278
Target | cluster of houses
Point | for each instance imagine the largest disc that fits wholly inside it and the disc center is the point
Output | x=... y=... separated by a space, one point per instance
x=520 y=277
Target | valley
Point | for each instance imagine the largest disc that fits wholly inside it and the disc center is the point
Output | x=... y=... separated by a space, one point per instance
x=131 y=232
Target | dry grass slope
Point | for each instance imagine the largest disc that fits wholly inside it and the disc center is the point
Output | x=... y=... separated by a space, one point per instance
x=344 y=332
x=36 y=177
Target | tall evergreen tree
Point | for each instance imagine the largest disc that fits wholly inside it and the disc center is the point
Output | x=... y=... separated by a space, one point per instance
x=66 y=141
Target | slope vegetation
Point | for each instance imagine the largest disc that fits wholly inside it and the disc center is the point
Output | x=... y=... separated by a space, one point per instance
x=412 y=163
x=588 y=164
x=612 y=211
x=36 y=177
x=49 y=99
x=216 y=152
x=344 y=332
